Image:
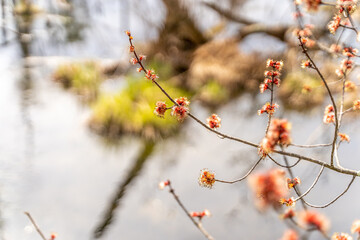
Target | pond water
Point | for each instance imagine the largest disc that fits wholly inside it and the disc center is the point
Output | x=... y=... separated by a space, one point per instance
x=52 y=166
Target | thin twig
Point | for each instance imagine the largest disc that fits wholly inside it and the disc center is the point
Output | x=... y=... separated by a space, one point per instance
x=296 y=189
x=334 y=200
x=351 y=21
x=312 y=185
x=340 y=36
x=35 y=225
x=347 y=110
x=197 y=224
x=284 y=166
x=328 y=4
x=330 y=95
x=245 y=176
x=271 y=105
x=311 y=146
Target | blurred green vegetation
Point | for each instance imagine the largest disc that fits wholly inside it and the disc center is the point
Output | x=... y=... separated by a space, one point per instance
x=301 y=91
x=213 y=94
x=131 y=110
x=83 y=78
x=26 y=10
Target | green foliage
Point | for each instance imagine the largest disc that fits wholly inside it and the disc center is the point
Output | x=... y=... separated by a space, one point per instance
x=163 y=69
x=293 y=92
x=26 y=10
x=83 y=78
x=131 y=111
x=213 y=94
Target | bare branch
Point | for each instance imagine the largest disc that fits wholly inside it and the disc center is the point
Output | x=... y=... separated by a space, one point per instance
x=335 y=199
x=228 y=14
x=284 y=166
x=245 y=176
x=312 y=185
x=35 y=225
x=311 y=146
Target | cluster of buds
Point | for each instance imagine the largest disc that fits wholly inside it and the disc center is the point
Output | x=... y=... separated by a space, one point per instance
x=200 y=215
x=346 y=6
x=181 y=109
x=129 y=34
x=292 y=182
x=311 y=5
x=334 y=24
x=163 y=184
x=279 y=133
x=350 y=86
x=355 y=228
x=214 y=121
x=268 y=108
x=289 y=213
x=341 y=236
x=290 y=202
x=306 y=64
x=344 y=137
x=329 y=114
x=273 y=76
x=268 y=187
x=150 y=74
x=312 y=219
x=290 y=235
x=356 y=105
x=306 y=89
x=305 y=35
x=335 y=48
x=350 y=52
x=137 y=60
x=297 y=14
x=346 y=64
x=160 y=109
x=206 y=178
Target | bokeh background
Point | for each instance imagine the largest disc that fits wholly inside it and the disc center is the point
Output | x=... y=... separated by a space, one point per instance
x=81 y=150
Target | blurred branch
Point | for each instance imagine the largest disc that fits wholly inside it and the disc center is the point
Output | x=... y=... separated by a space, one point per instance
x=284 y=166
x=114 y=203
x=245 y=176
x=228 y=14
x=334 y=200
x=275 y=31
x=251 y=26
x=35 y=225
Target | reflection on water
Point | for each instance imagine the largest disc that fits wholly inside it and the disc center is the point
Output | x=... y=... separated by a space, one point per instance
x=121 y=190
x=76 y=186
x=26 y=101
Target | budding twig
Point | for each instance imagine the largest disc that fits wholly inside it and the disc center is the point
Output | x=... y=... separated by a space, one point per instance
x=330 y=95
x=225 y=136
x=196 y=223
x=271 y=103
